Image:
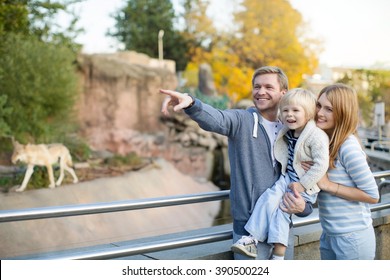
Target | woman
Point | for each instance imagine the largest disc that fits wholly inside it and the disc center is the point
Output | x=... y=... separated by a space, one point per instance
x=349 y=186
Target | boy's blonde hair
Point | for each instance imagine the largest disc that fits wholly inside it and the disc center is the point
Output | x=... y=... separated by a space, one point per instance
x=301 y=97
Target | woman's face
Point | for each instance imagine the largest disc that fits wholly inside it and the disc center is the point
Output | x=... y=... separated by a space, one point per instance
x=324 y=118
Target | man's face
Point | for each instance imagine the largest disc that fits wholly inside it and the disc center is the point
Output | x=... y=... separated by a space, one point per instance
x=266 y=94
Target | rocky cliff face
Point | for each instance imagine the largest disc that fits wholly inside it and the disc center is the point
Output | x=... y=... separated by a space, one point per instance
x=119 y=111
x=119 y=95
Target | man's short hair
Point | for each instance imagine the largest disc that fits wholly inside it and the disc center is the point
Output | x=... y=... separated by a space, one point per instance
x=282 y=77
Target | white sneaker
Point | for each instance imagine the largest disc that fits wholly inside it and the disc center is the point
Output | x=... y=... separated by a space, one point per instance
x=246 y=245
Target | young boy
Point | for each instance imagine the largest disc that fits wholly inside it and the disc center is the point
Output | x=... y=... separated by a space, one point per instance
x=299 y=140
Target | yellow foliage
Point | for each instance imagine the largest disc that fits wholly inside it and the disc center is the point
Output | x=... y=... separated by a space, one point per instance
x=191 y=74
x=229 y=78
x=269 y=32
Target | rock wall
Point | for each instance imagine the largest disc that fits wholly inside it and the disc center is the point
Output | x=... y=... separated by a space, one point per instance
x=119 y=111
x=120 y=95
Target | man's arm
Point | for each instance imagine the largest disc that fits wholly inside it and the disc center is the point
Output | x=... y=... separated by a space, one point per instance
x=293 y=203
x=307 y=211
x=176 y=99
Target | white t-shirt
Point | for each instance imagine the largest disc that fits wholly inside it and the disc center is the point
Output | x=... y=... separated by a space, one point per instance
x=272 y=129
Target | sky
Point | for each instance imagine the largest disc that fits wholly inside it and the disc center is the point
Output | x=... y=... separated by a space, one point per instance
x=355 y=33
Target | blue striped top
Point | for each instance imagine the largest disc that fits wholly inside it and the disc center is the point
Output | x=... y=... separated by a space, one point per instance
x=291 y=140
x=338 y=215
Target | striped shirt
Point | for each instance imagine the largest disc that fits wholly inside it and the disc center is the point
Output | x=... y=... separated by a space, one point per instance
x=291 y=141
x=338 y=215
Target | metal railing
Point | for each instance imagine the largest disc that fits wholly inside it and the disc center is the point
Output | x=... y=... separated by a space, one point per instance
x=108 y=207
x=126 y=205
x=382 y=145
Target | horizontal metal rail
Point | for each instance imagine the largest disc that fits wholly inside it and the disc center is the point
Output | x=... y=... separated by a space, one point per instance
x=384 y=146
x=109 y=253
x=108 y=207
x=381 y=174
x=125 y=251
x=125 y=205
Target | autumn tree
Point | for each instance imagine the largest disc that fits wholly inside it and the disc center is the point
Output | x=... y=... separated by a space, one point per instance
x=268 y=33
x=209 y=45
x=198 y=28
x=230 y=79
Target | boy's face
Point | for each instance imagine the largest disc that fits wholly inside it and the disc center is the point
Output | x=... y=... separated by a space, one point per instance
x=294 y=117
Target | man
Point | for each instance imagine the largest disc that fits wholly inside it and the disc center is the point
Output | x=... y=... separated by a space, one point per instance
x=251 y=134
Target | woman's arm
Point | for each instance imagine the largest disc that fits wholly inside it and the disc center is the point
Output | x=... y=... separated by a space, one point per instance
x=349 y=193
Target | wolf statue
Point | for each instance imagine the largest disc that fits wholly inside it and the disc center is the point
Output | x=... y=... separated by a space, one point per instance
x=43 y=155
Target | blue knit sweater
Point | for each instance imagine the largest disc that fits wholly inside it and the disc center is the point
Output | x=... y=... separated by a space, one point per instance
x=251 y=164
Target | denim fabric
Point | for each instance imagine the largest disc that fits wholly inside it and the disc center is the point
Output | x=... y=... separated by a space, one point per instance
x=357 y=245
x=268 y=222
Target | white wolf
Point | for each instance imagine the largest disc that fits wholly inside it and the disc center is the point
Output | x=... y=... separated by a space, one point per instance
x=43 y=155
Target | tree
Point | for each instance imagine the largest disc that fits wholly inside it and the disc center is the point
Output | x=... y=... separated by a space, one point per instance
x=230 y=79
x=372 y=86
x=38 y=78
x=268 y=34
x=4 y=113
x=40 y=84
x=198 y=28
x=38 y=18
x=13 y=17
x=138 y=24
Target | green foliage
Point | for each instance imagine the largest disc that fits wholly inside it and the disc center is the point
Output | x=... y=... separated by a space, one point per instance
x=44 y=24
x=138 y=24
x=118 y=160
x=221 y=102
x=38 y=180
x=198 y=28
x=79 y=149
x=13 y=16
x=4 y=113
x=372 y=86
x=40 y=83
x=275 y=38
x=38 y=18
